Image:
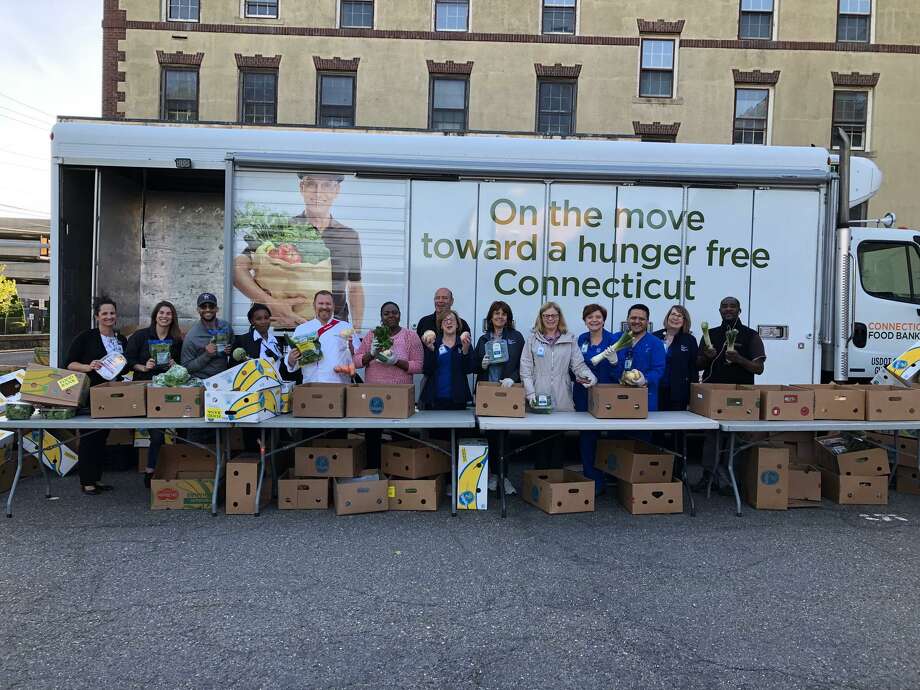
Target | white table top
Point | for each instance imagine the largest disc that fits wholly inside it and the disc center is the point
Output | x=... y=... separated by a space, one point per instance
x=582 y=421
x=85 y=422
x=816 y=425
x=425 y=419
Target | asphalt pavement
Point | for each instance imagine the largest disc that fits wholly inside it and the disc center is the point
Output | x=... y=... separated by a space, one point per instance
x=102 y=592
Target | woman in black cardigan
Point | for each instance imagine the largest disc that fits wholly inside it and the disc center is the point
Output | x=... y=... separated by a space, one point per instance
x=446 y=365
x=680 y=362
x=498 y=328
x=260 y=341
x=85 y=355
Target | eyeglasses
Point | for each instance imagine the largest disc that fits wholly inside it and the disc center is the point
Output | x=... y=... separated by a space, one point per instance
x=551 y=316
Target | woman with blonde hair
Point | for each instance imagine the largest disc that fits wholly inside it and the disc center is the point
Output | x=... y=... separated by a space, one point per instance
x=680 y=360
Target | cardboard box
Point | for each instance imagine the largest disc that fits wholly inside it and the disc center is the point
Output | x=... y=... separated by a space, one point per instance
x=252 y=375
x=907 y=446
x=494 y=401
x=907 y=480
x=892 y=404
x=390 y=402
x=364 y=494
x=473 y=475
x=58 y=451
x=801 y=444
x=846 y=403
x=412 y=460
x=724 y=401
x=302 y=493
x=414 y=494
x=832 y=456
x=179 y=401
x=804 y=486
x=54 y=387
x=633 y=461
x=330 y=457
x=558 y=491
x=651 y=499
x=766 y=480
x=853 y=490
x=287 y=397
x=319 y=400
x=184 y=479
x=120 y=437
x=118 y=399
x=248 y=407
x=242 y=481
x=613 y=401
x=785 y=403
x=8 y=469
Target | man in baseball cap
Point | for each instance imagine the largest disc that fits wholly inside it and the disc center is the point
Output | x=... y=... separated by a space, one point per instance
x=208 y=342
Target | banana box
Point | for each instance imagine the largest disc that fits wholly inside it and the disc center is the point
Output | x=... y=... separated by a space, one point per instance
x=55 y=452
x=10 y=383
x=242 y=406
x=903 y=369
x=55 y=387
x=251 y=375
x=287 y=395
x=184 y=479
x=473 y=475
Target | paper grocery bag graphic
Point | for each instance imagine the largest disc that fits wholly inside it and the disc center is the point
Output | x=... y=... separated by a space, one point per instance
x=288 y=281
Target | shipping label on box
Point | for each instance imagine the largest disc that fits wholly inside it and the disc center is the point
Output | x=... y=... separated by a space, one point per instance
x=473 y=475
x=319 y=400
x=184 y=479
x=242 y=482
x=854 y=490
x=785 y=403
x=364 y=494
x=118 y=399
x=302 y=493
x=414 y=494
x=395 y=401
x=558 y=491
x=330 y=457
x=767 y=478
x=892 y=404
x=651 y=499
x=845 y=403
x=804 y=487
x=55 y=387
x=613 y=401
x=251 y=375
x=412 y=460
x=234 y=406
x=55 y=452
x=724 y=401
x=633 y=461
x=492 y=400
x=833 y=455
x=172 y=402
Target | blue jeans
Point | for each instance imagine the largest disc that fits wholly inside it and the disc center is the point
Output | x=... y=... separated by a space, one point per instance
x=587 y=444
x=157 y=439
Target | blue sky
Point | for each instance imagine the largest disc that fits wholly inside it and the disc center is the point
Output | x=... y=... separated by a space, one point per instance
x=51 y=58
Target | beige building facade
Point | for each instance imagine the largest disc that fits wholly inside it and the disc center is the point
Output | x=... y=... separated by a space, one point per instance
x=781 y=72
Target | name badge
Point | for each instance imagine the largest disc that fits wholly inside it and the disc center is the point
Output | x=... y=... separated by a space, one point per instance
x=627 y=365
x=541 y=351
x=584 y=348
x=442 y=350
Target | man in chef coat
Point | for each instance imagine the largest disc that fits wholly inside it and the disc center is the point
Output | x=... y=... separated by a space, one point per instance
x=336 y=340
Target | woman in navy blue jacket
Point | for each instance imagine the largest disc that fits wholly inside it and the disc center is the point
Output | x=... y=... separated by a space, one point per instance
x=680 y=360
x=446 y=365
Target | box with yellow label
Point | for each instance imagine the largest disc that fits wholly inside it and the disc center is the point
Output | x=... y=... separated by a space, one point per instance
x=473 y=475
x=56 y=451
x=251 y=375
x=56 y=387
x=242 y=406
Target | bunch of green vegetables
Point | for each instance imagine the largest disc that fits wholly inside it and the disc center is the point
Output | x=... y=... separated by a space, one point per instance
x=266 y=231
x=176 y=375
x=383 y=343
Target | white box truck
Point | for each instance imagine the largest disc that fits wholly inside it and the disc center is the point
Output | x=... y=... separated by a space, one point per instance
x=164 y=211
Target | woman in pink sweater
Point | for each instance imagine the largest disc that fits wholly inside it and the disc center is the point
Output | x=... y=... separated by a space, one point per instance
x=405 y=357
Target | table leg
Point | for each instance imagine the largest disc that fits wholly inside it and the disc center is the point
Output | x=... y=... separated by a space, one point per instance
x=272 y=443
x=502 y=472
x=218 y=462
x=684 y=476
x=261 y=470
x=731 y=471
x=9 y=499
x=897 y=456
x=715 y=463
x=453 y=472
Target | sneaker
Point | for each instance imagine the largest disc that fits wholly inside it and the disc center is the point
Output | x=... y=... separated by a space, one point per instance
x=493 y=482
x=509 y=487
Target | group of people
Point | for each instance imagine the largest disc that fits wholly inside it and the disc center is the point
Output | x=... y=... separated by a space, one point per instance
x=551 y=362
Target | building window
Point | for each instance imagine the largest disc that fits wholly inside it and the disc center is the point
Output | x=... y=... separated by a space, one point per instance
x=853 y=20
x=752 y=109
x=261 y=8
x=449 y=104
x=182 y=10
x=452 y=15
x=179 y=95
x=555 y=107
x=851 y=113
x=357 y=14
x=336 y=100
x=258 y=97
x=559 y=16
x=656 y=75
x=756 y=20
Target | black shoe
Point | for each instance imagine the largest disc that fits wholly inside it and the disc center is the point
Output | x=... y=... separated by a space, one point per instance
x=89 y=490
x=104 y=487
x=147 y=477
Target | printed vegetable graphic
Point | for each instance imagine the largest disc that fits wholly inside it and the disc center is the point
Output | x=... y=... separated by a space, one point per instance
x=626 y=340
x=383 y=343
x=706 y=340
x=308 y=347
x=269 y=231
x=730 y=336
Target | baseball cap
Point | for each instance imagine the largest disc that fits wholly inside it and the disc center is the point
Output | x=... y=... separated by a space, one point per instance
x=207 y=297
x=322 y=176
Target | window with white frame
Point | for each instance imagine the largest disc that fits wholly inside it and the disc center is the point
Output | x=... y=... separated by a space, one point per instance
x=452 y=15
x=335 y=104
x=559 y=16
x=656 y=72
x=756 y=21
x=752 y=110
x=258 y=97
x=448 y=104
x=854 y=19
x=182 y=10
x=556 y=106
x=356 y=14
x=267 y=9
x=179 y=94
x=851 y=113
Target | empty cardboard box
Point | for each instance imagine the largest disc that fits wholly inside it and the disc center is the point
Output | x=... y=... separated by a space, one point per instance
x=804 y=486
x=613 y=401
x=364 y=494
x=494 y=401
x=651 y=499
x=854 y=490
x=184 y=479
x=319 y=400
x=785 y=403
x=558 y=491
x=172 y=402
x=724 y=401
x=414 y=494
x=242 y=482
x=330 y=457
x=412 y=460
x=846 y=403
x=892 y=404
x=832 y=455
x=633 y=461
x=302 y=493
x=118 y=399
x=395 y=401
x=767 y=478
